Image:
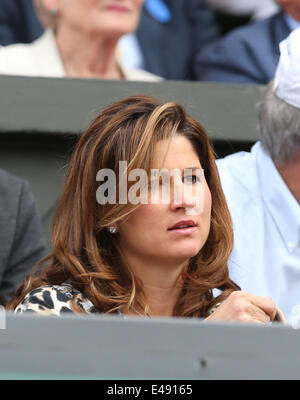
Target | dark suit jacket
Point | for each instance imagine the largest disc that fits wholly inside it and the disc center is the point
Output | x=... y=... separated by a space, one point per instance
x=22 y=243
x=169 y=49
x=246 y=55
x=18 y=22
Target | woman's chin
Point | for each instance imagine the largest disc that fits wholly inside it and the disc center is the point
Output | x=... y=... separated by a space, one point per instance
x=186 y=253
x=117 y=29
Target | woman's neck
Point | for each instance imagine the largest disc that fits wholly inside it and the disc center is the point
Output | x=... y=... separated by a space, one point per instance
x=87 y=56
x=161 y=284
x=161 y=298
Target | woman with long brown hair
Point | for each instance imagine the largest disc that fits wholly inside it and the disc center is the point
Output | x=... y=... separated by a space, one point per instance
x=117 y=251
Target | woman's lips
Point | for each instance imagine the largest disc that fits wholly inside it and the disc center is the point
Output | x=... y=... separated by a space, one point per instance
x=183 y=231
x=117 y=8
x=185 y=223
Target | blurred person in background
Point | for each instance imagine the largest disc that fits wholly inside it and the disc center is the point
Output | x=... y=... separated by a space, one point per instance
x=263 y=192
x=18 y=22
x=249 y=54
x=170 y=34
x=190 y=24
x=80 y=41
x=233 y=13
x=254 y=8
x=22 y=241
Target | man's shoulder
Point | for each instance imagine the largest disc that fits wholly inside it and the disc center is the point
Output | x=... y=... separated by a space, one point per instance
x=239 y=178
x=237 y=166
x=256 y=37
x=12 y=188
x=248 y=54
x=259 y=29
x=9 y=181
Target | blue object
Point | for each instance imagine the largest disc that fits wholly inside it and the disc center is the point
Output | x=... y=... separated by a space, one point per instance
x=158 y=10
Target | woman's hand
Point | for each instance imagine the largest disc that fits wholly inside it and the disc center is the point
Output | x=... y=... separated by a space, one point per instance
x=245 y=307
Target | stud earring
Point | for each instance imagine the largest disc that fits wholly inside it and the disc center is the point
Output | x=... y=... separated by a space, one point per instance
x=113 y=230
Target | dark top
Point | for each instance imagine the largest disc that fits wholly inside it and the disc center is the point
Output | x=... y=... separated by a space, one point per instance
x=169 y=48
x=22 y=242
x=246 y=55
x=18 y=22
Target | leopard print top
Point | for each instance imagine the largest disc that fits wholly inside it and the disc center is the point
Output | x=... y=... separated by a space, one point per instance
x=54 y=300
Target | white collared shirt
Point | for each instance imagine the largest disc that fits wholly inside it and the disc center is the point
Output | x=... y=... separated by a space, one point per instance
x=266 y=220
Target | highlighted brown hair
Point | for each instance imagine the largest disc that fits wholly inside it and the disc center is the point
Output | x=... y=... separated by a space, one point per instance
x=86 y=254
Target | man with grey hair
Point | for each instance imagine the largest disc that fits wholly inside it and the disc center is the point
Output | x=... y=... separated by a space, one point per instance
x=263 y=193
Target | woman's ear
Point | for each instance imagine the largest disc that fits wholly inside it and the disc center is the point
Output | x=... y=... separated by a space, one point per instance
x=50 y=5
x=47 y=12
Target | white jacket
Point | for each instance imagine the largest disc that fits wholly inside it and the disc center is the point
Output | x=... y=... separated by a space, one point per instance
x=41 y=58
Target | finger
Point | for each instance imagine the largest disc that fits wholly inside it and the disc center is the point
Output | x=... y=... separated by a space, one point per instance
x=279 y=317
x=257 y=314
x=255 y=321
x=264 y=303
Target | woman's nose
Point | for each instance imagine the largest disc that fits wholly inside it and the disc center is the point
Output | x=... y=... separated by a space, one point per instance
x=182 y=195
x=187 y=197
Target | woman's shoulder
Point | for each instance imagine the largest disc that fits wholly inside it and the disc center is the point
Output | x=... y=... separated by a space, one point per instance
x=39 y=58
x=54 y=300
x=14 y=57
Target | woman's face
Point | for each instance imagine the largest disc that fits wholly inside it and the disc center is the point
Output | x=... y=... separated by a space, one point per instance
x=110 y=17
x=150 y=230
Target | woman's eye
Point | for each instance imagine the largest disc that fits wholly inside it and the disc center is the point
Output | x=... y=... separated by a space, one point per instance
x=191 y=179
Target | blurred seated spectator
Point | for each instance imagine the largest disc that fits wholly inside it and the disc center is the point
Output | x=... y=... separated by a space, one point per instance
x=263 y=193
x=233 y=13
x=168 y=37
x=190 y=24
x=123 y=255
x=81 y=44
x=254 y=8
x=22 y=243
x=18 y=22
x=249 y=54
